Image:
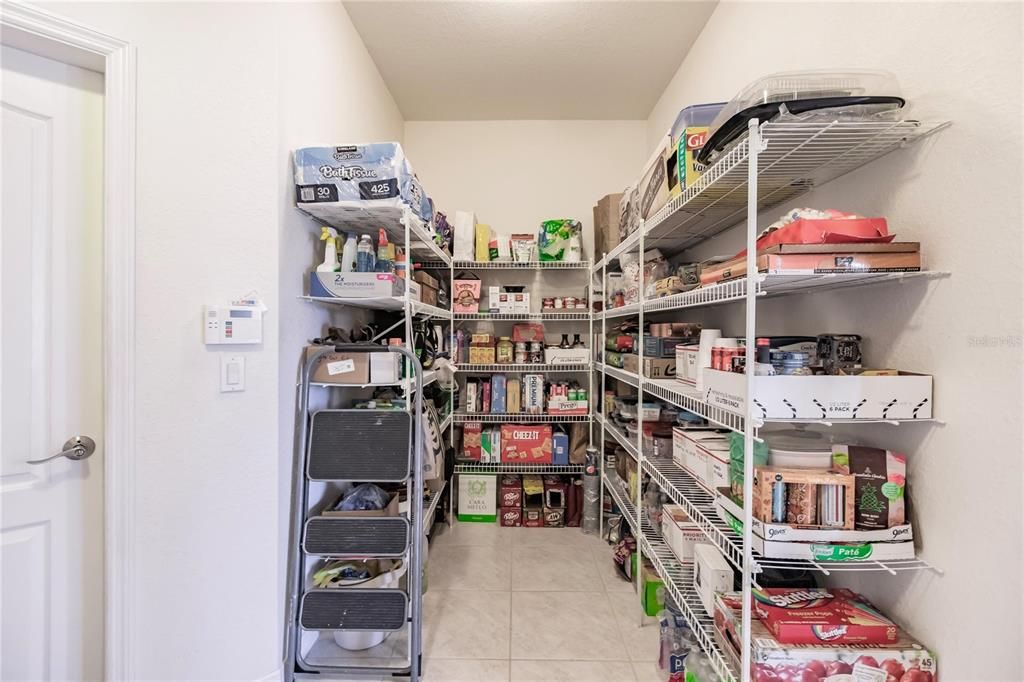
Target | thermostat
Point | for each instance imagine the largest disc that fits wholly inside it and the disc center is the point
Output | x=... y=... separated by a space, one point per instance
x=232 y=324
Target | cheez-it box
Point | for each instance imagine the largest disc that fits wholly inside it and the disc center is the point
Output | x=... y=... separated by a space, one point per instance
x=526 y=443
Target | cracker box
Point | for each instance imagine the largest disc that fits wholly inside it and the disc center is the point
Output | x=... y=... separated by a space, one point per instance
x=471 y=437
x=560 y=449
x=533 y=394
x=510 y=491
x=511 y=516
x=831 y=661
x=817 y=616
x=526 y=443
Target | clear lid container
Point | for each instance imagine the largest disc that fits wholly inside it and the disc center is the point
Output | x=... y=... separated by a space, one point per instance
x=695 y=115
x=797 y=440
x=786 y=86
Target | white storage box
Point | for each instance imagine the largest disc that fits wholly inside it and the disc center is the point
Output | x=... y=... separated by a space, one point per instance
x=686 y=363
x=478 y=497
x=680 y=532
x=731 y=512
x=694 y=450
x=907 y=396
x=566 y=356
x=385 y=368
x=711 y=574
x=355 y=285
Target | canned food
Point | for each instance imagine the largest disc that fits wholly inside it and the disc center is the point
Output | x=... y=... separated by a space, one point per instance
x=570 y=301
x=522 y=357
x=548 y=303
x=559 y=302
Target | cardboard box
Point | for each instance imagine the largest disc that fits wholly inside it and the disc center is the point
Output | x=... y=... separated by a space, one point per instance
x=802 y=495
x=355 y=284
x=662 y=346
x=681 y=533
x=533 y=393
x=650 y=582
x=533 y=517
x=533 y=491
x=556 y=490
x=653 y=186
x=560 y=448
x=729 y=510
x=526 y=443
x=472 y=447
x=510 y=491
x=426 y=279
x=341 y=368
x=767 y=653
x=629 y=212
x=390 y=510
x=566 y=356
x=490 y=445
x=654 y=368
x=906 y=396
x=554 y=518
x=818 y=615
x=686 y=363
x=520 y=303
x=511 y=516
x=499 y=393
x=527 y=332
x=606 y=225
x=837 y=261
x=481 y=355
x=466 y=297
x=427 y=295
x=415 y=290
x=562 y=405
x=711 y=574
x=478 y=498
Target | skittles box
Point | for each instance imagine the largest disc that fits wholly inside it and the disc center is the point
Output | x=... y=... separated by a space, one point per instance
x=817 y=616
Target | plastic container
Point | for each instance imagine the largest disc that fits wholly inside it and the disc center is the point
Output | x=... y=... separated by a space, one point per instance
x=651 y=412
x=832 y=95
x=695 y=115
x=798 y=449
x=626 y=407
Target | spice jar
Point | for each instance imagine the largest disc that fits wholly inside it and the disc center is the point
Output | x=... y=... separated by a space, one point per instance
x=548 y=303
x=522 y=353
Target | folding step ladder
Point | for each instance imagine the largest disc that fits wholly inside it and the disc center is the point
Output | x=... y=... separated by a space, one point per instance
x=354 y=445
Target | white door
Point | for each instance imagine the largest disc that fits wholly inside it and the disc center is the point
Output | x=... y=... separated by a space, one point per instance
x=51 y=370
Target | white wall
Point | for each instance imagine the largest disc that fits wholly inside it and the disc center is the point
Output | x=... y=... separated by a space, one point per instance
x=515 y=174
x=224 y=92
x=959 y=194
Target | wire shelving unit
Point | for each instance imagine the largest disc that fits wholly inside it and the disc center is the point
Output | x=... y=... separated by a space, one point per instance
x=548 y=316
x=771 y=165
x=527 y=367
x=462 y=417
x=515 y=468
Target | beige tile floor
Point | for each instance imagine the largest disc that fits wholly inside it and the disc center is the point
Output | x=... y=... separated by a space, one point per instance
x=530 y=604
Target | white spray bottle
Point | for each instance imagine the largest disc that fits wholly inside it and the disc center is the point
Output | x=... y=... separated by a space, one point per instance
x=348 y=254
x=330 y=264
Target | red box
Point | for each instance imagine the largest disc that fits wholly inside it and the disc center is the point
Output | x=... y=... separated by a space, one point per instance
x=533 y=517
x=771 y=659
x=471 y=448
x=466 y=297
x=511 y=517
x=554 y=518
x=526 y=443
x=820 y=616
x=510 y=492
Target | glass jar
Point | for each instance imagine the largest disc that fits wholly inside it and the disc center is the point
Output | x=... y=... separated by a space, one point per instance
x=504 y=351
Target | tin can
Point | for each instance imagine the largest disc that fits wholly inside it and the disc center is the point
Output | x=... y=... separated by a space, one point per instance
x=716 y=357
x=559 y=302
x=570 y=302
x=548 y=303
x=522 y=357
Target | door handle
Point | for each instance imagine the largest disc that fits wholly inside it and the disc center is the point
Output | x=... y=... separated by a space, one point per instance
x=75 y=448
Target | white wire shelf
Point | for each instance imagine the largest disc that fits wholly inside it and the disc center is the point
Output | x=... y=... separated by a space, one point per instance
x=520 y=265
x=678 y=579
x=615 y=487
x=518 y=418
x=619 y=373
x=622 y=311
x=369 y=216
x=429 y=377
x=512 y=317
x=391 y=303
x=527 y=367
x=628 y=444
x=699 y=504
x=446 y=422
x=796 y=158
x=430 y=506
x=512 y=468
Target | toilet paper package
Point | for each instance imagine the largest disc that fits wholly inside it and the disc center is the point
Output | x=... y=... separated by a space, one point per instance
x=377 y=172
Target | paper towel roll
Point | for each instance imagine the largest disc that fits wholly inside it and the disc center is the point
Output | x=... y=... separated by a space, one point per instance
x=708 y=337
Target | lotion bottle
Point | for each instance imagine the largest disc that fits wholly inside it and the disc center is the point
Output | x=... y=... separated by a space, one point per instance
x=348 y=254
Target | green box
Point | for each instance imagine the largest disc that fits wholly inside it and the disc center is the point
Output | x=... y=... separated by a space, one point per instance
x=478 y=498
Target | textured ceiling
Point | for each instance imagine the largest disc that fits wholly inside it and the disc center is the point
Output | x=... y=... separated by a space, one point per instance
x=527 y=60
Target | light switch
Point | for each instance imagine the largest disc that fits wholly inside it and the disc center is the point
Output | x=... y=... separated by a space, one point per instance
x=232 y=373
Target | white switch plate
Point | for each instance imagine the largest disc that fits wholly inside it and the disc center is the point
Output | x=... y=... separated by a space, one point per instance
x=232 y=373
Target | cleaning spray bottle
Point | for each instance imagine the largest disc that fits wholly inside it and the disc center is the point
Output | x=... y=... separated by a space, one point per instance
x=330 y=264
x=385 y=252
x=348 y=254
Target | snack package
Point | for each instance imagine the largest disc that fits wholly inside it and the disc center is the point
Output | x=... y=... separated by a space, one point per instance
x=880 y=477
x=816 y=615
x=553 y=238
